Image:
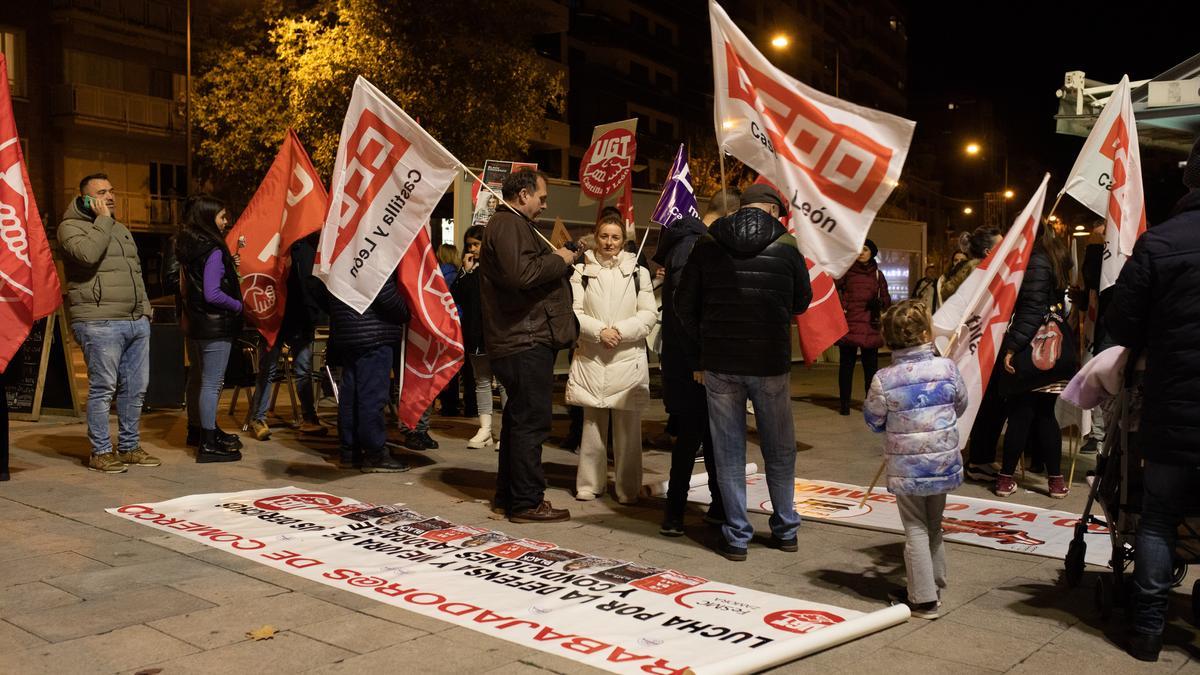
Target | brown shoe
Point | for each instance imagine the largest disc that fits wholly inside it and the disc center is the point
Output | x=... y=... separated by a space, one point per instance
x=310 y=428
x=542 y=513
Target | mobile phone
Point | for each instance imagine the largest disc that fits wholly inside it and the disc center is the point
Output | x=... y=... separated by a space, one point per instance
x=89 y=203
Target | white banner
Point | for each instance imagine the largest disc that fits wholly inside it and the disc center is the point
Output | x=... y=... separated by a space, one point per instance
x=835 y=161
x=976 y=317
x=1107 y=178
x=388 y=177
x=617 y=616
x=980 y=522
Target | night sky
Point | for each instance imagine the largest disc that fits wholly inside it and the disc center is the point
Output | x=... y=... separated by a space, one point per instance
x=1015 y=56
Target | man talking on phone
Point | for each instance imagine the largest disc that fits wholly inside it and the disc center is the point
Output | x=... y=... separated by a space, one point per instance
x=109 y=312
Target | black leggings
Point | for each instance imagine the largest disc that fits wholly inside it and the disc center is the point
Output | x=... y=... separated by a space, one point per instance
x=870 y=360
x=1033 y=429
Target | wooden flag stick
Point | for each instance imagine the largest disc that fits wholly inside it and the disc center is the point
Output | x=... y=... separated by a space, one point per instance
x=874 y=482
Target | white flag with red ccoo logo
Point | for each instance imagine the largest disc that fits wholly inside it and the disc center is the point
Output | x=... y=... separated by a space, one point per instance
x=1107 y=178
x=29 y=286
x=388 y=177
x=834 y=161
x=969 y=328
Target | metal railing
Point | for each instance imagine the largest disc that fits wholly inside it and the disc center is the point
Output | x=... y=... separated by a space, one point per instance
x=112 y=106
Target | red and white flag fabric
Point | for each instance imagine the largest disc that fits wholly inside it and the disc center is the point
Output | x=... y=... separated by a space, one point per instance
x=388 y=177
x=289 y=205
x=29 y=285
x=1107 y=178
x=969 y=328
x=824 y=322
x=836 y=162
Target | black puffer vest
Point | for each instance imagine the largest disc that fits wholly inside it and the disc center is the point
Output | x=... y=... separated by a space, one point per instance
x=201 y=320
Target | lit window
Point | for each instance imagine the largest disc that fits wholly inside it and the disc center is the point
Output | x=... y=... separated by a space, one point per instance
x=12 y=45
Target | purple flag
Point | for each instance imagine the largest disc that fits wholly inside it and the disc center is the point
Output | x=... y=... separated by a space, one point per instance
x=678 y=199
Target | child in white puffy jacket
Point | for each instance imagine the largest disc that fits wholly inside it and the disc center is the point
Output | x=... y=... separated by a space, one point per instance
x=917 y=401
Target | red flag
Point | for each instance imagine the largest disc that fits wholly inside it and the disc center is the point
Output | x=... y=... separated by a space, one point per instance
x=433 y=348
x=289 y=205
x=625 y=204
x=824 y=322
x=29 y=286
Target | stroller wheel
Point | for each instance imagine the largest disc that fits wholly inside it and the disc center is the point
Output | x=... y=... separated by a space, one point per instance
x=1074 y=563
x=1103 y=593
x=1178 y=573
x=1196 y=603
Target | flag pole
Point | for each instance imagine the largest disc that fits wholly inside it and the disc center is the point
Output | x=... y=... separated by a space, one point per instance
x=874 y=482
x=500 y=197
x=721 y=159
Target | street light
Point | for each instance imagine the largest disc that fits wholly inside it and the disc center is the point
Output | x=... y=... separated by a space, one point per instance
x=780 y=41
x=968 y=210
x=1008 y=194
x=972 y=149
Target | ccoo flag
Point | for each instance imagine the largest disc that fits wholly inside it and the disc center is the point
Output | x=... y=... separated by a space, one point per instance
x=969 y=328
x=289 y=205
x=836 y=162
x=388 y=177
x=1107 y=178
x=678 y=197
x=29 y=286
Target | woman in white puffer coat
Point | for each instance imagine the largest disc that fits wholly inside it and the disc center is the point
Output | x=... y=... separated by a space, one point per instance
x=610 y=376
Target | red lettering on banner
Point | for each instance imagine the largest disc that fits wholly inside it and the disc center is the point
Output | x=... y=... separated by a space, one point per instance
x=437 y=599
x=488 y=616
x=993 y=511
x=549 y=633
x=585 y=645
x=844 y=164
x=957 y=506
x=466 y=609
x=619 y=655
x=663 y=667
x=251 y=545
x=373 y=151
x=341 y=574
x=394 y=590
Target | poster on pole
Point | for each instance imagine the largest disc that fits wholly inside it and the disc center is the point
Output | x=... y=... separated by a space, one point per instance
x=493 y=175
x=615 y=615
x=607 y=165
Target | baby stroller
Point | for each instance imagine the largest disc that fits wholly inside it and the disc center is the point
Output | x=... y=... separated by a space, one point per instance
x=1116 y=485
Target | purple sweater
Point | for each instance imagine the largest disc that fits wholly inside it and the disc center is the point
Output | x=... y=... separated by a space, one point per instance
x=214 y=270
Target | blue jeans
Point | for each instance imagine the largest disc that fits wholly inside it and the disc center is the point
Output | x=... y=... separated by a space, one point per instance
x=362 y=394
x=301 y=372
x=117 y=354
x=727 y=396
x=1168 y=494
x=206 y=377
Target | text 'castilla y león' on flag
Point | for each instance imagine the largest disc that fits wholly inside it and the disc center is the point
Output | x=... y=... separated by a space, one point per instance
x=29 y=286
x=969 y=328
x=1107 y=178
x=834 y=161
x=289 y=205
x=388 y=177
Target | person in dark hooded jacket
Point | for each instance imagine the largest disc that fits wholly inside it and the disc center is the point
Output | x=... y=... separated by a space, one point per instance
x=1155 y=311
x=742 y=284
x=865 y=296
x=682 y=395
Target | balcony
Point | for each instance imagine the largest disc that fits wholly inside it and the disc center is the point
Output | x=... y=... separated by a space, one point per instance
x=114 y=109
x=552 y=133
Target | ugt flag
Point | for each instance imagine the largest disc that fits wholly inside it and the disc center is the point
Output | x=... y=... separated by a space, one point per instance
x=678 y=197
x=29 y=287
x=969 y=328
x=836 y=162
x=388 y=177
x=289 y=205
x=1107 y=178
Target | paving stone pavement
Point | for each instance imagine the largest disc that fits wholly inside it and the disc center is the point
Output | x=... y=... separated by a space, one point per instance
x=84 y=592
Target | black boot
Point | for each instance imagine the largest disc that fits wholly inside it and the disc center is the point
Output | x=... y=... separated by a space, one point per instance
x=844 y=409
x=229 y=441
x=381 y=461
x=419 y=441
x=211 y=450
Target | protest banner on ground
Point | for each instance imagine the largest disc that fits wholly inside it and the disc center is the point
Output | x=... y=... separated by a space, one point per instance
x=618 y=616
x=289 y=205
x=1006 y=526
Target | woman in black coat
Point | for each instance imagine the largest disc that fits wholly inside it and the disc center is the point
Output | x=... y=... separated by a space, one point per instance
x=1032 y=424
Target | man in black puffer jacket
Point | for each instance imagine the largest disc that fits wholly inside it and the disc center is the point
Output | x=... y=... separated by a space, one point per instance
x=363 y=344
x=1155 y=311
x=742 y=284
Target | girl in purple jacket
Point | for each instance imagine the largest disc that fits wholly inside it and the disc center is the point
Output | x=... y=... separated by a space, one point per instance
x=917 y=401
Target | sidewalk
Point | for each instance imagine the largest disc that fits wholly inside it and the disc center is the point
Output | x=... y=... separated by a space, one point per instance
x=85 y=592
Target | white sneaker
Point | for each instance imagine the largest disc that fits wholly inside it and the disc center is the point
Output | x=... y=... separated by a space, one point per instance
x=481 y=439
x=584 y=496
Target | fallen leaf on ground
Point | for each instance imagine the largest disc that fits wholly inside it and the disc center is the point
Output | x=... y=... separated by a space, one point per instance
x=264 y=633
